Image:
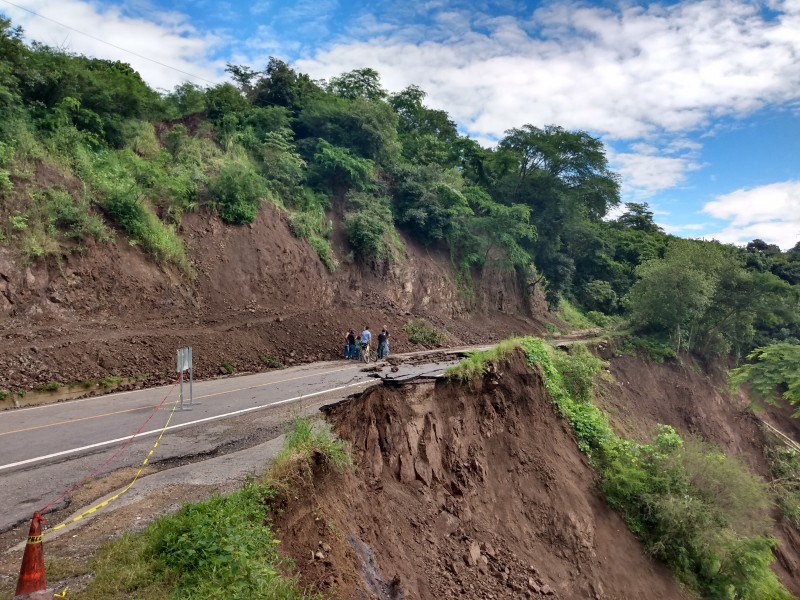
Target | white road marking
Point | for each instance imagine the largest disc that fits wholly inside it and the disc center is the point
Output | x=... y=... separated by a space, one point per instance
x=179 y=425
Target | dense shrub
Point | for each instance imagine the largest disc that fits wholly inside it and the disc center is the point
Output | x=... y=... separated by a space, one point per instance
x=237 y=191
x=419 y=332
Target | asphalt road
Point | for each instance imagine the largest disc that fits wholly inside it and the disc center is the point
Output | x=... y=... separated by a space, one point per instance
x=46 y=450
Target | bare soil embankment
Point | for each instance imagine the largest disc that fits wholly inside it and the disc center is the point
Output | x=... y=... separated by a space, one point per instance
x=261 y=297
x=464 y=492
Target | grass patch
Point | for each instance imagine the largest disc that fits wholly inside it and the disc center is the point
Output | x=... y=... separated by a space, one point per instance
x=271 y=362
x=573 y=317
x=312 y=226
x=224 y=546
x=51 y=386
x=111 y=381
x=308 y=445
x=476 y=364
x=224 y=543
x=419 y=332
x=4 y=395
x=227 y=367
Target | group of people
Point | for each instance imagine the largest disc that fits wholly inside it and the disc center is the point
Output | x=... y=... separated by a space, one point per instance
x=355 y=345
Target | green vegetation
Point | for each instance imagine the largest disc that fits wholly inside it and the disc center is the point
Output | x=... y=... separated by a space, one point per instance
x=227 y=367
x=122 y=161
x=271 y=362
x=572 y=316
x=700 y=512
x=784 y=464
x=225 y=543
x=52 y=386
x=774 y=373
x=309 y=445
x=651 y=347
x=419 y=332
x=111 y=381
x=477 y=363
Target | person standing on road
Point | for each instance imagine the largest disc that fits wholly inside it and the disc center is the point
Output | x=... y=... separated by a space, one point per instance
x=351 y=344
x=383 y=343
x=366 y=337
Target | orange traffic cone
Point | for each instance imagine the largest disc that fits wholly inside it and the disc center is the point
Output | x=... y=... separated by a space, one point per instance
x=31 y=575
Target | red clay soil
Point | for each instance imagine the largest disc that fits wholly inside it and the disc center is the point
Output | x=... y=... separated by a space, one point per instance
x=464 y=492
x=645 y=394
x=260 y=294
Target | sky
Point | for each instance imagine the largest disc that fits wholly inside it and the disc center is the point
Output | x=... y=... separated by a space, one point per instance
x=697 y=101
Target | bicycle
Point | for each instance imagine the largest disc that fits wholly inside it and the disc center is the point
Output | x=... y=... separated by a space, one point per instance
x=366 y=354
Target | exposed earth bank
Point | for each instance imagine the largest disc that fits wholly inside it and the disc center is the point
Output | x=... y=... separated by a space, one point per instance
x=463 y=492
x=260 y=297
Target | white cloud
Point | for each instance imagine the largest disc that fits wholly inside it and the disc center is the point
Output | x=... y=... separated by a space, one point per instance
x=165 y=37
x=769 y=212
x=646 y=171
x=624 y=74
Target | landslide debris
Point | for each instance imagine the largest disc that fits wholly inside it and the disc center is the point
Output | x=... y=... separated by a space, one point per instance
x=464 y=492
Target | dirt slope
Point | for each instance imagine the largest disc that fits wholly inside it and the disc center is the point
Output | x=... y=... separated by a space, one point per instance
x=465 y=493
x=645 y=394
x=259 y=293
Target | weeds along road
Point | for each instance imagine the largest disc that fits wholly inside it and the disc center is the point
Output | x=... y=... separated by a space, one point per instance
x=46 y=450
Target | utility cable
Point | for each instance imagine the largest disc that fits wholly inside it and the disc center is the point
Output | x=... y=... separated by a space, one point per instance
x=109 y=43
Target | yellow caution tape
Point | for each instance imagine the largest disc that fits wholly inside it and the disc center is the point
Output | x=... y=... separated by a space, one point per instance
x=34 y=539
x=108 y=501
x=62 y=593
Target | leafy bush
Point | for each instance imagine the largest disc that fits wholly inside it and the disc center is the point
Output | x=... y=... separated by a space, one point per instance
x=313 y=226
x=238 y=190
x=271 y=362
x=419 y=332
x=599 y=295
x=773 y=374
x=651 y=347
x=370 y=229
x=784 y=464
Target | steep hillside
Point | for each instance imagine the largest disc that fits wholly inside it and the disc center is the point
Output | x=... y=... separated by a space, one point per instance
x=260 y=296
x=645 y=394
x=465 y=492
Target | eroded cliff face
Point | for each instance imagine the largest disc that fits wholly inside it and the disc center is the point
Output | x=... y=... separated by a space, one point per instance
x=259 y=291
x=465 y=491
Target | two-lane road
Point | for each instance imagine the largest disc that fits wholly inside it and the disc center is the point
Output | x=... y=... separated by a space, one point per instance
x=44 y=450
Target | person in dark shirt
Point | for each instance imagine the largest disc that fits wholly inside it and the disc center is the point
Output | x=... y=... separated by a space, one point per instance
x=351 y=344
x=383 y=343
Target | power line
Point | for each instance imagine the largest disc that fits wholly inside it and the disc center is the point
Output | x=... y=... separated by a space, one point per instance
x=109 y=43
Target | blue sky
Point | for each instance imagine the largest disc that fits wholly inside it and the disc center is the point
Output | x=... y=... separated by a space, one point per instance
x=698 y=102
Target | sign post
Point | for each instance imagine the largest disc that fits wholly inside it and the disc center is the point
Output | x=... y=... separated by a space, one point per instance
x=183 y=364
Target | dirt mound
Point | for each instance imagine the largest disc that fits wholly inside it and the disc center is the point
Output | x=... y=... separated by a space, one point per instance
x=645 y=394
x=460 y=492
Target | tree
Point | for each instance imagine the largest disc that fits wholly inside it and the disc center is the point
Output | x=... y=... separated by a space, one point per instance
x=773 y=373
x=638 y=217
x=671 y=298
x=359 y=83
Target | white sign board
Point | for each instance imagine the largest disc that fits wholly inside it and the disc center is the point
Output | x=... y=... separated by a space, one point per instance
x=184 y=360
